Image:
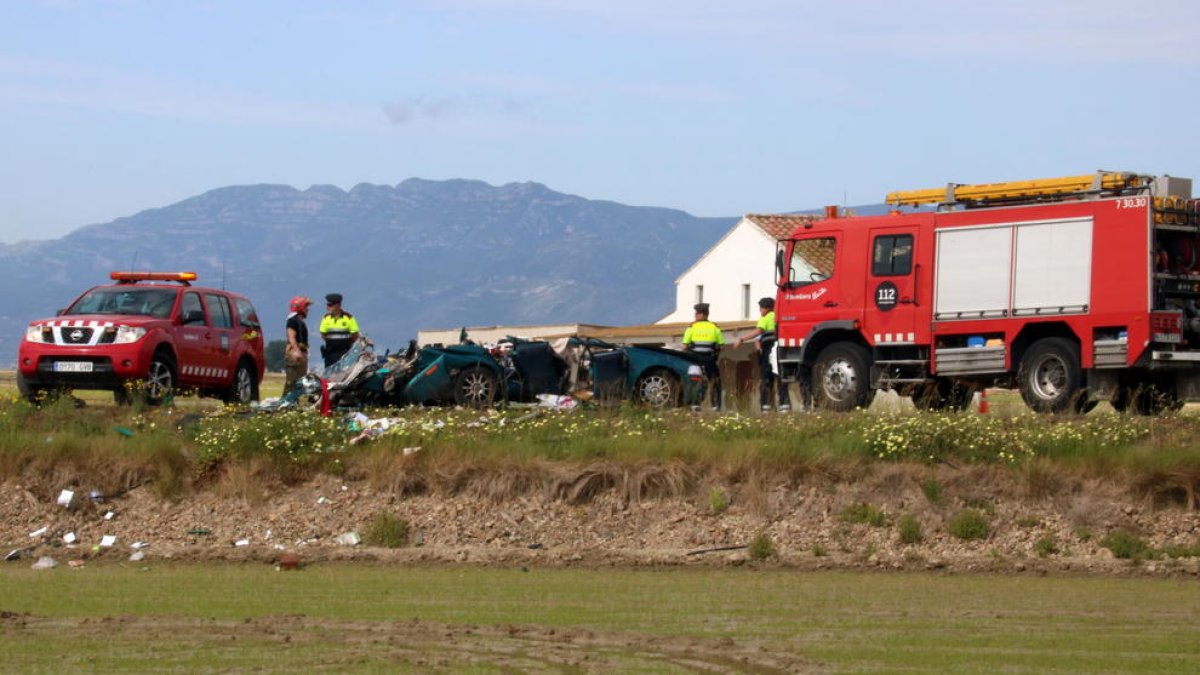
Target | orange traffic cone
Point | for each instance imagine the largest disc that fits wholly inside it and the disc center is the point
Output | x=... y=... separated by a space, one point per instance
x=983 y=404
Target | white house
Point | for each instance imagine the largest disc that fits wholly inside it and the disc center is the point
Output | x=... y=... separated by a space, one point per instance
x=737 y=271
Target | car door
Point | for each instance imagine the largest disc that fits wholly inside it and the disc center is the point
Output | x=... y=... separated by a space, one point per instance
x=222 y=342
x=194 y=337
x=892 y=286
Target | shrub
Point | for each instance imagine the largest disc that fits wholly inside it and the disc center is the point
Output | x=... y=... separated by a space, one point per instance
x=969 y=524
x=909 y=529
x=386 y=530
x=819 y=551
x=717 y=501
x=761 y=547
x=1028 y=521
x=1046 y=546
x=1126 y=545
x=932 y=489
x=863 y=512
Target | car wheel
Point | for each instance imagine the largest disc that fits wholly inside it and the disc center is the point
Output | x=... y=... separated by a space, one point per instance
x=159 y=385
x=244 y=387
x=32 y=393
x=475 y=387
x=658 y=388
x=840 y=378
x=1146 y=399
x=943 y=394
x=1050 y=377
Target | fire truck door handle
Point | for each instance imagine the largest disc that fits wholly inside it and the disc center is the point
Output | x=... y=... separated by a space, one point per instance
x=830 y=303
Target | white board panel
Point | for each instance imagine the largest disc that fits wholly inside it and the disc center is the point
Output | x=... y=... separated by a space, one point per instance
x=973 y=272
x=1054 y=267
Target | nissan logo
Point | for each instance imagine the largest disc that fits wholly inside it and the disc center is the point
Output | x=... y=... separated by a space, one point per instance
x=76 y=335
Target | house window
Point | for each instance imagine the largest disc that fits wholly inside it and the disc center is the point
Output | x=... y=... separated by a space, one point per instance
x=699 y=293
x=745 y=301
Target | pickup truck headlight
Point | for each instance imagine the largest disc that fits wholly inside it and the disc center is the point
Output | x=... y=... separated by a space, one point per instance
x=38 y=334
x=127 y=334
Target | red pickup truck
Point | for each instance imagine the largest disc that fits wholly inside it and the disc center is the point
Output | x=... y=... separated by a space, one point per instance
x=150 y=333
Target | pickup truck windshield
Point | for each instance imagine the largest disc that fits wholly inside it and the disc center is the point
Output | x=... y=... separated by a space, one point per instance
x=155 y=302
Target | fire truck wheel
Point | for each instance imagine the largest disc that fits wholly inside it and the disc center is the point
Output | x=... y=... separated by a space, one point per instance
x=840 y=378
x=475 y=387
x=1050 y=377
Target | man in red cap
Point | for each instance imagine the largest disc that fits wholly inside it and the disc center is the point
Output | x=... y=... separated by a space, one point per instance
x=295 y=354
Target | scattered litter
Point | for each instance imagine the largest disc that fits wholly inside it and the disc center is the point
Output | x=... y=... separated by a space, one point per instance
x=69 y=538
x=557 y=402
x=65 y=498
x=110 y=515
x=96 y=496
x=14 y=554
x=268 y=535
x=75 y=564
x=322 y=500
x=348 y=539
x=138 y=545
x=242 y=542
x=45 y=563
x=38 y=532
x=108 y=540
x=345 y=488
x=123 y=431
x=199 y=530
x=137 y=556
x=280 y=547
x=535 y=546
x=288 y=561
x=411 y=451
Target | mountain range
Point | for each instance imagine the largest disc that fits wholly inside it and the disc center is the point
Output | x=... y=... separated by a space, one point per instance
x=420 y=254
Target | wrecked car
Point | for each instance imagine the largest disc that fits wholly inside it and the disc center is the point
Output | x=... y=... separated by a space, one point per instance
x=655 y=376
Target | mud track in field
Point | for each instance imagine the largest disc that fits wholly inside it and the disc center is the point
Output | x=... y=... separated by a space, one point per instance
x=411 y=645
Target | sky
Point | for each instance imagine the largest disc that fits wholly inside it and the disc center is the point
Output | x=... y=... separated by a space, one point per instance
x=719 y=108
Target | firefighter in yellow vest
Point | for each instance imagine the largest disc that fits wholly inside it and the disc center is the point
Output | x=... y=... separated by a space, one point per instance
x=764 y=337
x=704 y=339
x=339 y=330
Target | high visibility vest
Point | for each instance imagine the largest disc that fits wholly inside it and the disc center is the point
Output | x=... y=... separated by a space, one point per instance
x=767 y=325
x=703 y=337
x=339 y=332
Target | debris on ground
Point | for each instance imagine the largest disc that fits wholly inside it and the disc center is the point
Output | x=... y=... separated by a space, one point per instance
x=45 y=563
x=348 y=539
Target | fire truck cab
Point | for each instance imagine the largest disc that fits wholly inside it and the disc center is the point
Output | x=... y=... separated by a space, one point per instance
x=1073 y=290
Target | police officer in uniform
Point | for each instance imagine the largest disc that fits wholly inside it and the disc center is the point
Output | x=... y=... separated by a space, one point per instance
x=339 y=330
x=704 y=339
x=764 y=337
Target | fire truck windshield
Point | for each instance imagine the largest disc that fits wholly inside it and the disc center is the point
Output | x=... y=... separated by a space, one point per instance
x=155 y=302
x=812 y=260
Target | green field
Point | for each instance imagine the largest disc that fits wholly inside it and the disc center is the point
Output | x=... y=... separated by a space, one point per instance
x=346 y=617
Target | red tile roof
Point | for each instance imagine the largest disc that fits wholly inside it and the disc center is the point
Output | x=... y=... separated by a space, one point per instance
x=778 y=226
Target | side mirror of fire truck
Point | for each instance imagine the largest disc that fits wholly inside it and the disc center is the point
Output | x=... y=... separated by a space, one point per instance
x=781 y=275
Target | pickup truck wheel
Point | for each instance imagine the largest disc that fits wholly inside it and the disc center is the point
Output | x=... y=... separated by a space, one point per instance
x=658 y=388
x=475 y=387
x=244 y=387
x=1050 y=376
x=159 y=385
x=33 y=394
x=840 y=378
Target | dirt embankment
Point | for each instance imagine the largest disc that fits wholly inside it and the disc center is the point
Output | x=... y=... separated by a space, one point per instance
x=593 y=520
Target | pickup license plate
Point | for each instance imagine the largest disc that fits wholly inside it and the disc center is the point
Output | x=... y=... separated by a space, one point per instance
x=73 y=366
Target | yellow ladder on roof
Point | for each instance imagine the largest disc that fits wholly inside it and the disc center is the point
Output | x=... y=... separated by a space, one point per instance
x=1021 y=189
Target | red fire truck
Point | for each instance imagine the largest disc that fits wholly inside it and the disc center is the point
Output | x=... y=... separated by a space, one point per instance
x=1073 y=290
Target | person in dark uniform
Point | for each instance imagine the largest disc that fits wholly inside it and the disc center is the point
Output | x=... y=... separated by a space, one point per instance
x=764 y=337
x=339 y=330
x=295 y=354
x=704 y=339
